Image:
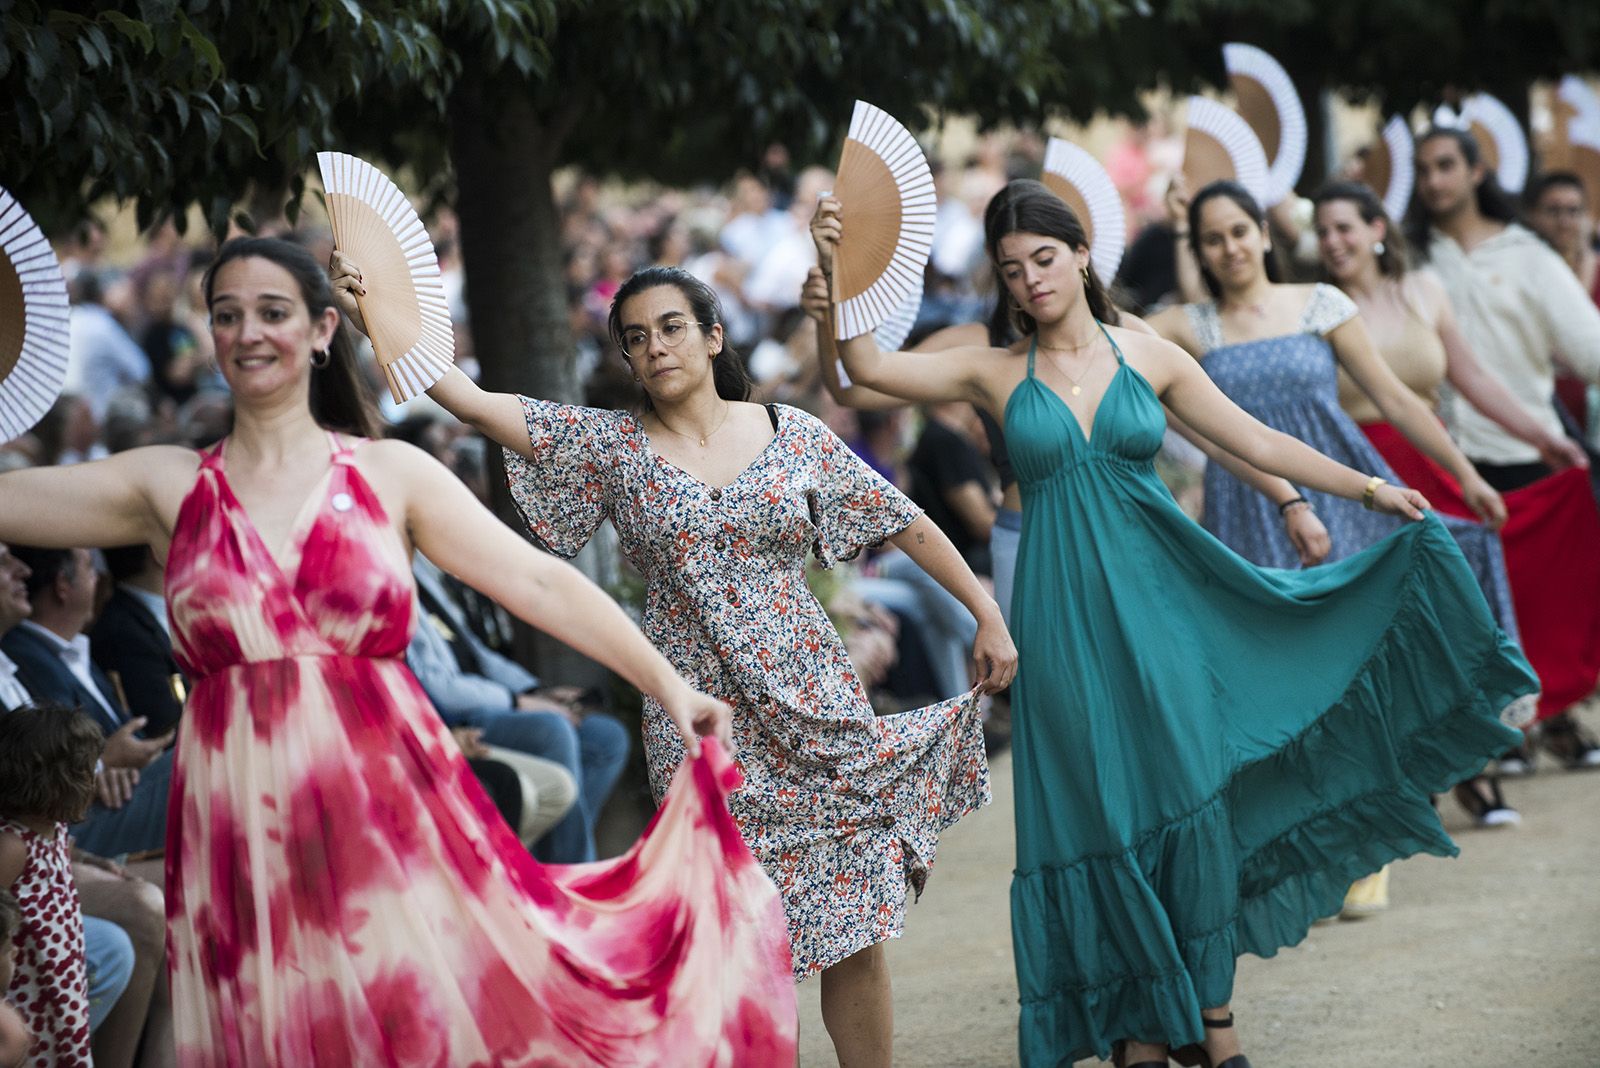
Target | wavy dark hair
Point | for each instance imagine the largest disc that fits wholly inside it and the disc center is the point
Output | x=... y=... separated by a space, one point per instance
x=340 y=397
x=1025 y=206
x=48 y=755
x=1392 y=261
x=1226 y=187
x=1493 y=201
x=727 y=367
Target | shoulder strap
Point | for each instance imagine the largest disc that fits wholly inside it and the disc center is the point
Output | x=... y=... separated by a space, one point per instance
x=1115 y=348
x=1033 y=347
x=772 y=414
x=336 y=445
x=1207 y=325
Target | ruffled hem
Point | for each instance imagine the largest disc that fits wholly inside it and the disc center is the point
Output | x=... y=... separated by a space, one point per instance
x=1134 y=943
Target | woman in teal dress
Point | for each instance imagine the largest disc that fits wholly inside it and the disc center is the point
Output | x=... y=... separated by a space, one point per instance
x=1208 y=752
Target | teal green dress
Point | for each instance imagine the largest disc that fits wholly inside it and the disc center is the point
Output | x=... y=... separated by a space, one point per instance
x=1208 y=752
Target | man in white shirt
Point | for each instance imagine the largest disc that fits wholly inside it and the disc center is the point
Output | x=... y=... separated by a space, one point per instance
x=1520 y=306
x=1516 y=300
x=102 y=357
x=51 y=655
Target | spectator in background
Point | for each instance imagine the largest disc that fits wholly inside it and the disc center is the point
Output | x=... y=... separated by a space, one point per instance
x=1559 y=211
x=102 y=357
x=131 y=641
x=15 y=1038
x=176 y=362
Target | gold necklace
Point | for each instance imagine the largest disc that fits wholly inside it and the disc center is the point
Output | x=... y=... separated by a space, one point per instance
x=726 y=408
x=1076 y=389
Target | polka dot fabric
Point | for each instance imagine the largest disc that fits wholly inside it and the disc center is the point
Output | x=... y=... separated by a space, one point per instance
x=51 y=985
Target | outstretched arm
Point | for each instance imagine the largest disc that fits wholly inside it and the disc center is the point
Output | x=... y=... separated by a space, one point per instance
x=497 y=416
x=93 y=505
x=453 y=530
x=1191 y=394
x=1353 y=346
x=992 y=650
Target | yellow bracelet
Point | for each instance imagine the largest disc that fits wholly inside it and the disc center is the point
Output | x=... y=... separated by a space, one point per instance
x=1372 y=488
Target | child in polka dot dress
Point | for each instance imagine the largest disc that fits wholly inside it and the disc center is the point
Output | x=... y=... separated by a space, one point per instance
x=47 y=764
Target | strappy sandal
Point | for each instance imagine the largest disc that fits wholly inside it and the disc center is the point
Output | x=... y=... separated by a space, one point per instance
x=1195 y=1053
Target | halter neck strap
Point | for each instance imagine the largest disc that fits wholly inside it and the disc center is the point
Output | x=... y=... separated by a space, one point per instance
x=1115 y=348
x=1033 y=347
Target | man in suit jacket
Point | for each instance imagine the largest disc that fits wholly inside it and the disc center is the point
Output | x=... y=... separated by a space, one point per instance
x=132 y=643
x=51 y=654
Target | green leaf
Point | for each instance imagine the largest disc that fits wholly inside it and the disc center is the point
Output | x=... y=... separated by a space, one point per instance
x=205 y=50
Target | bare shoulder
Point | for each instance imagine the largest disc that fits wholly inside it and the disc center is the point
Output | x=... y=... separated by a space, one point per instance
x=1175 y=326
x=1159 y=360
x=389 y=458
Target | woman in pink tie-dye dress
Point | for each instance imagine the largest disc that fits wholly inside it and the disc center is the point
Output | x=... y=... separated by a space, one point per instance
x=340 y=890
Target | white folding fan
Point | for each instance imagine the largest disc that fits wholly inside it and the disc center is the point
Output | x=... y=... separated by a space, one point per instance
x=1266 y=98
x=1219 y=144
x=1500 y=136
x=1078 y=178
x=1580 y=98
x=33 y=321
x=405 y=310
x=1391 y=169
x=892 y=332
x=887 y=192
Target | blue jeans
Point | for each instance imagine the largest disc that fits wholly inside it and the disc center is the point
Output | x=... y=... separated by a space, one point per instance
x=943 y=623
x=108 y=953
x=1004 y=538
x=139 y=825
x=594 y=752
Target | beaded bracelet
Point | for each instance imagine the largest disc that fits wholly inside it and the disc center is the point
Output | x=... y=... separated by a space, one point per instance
x=1286 y=505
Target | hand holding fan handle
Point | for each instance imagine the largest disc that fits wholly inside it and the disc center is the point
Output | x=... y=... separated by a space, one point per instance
x=345 y=275
x=826 y=231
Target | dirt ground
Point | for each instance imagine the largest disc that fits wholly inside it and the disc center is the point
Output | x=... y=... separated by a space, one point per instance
x=1490 y=959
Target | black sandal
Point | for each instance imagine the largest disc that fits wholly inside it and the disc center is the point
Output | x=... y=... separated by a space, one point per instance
x=1481 y=797
x=1194 y=1054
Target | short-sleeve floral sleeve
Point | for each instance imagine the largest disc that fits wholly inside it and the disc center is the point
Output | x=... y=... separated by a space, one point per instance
x=565 y=486
x=852 y=506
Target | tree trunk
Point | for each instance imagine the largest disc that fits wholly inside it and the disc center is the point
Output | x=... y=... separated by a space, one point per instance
x=504 y=156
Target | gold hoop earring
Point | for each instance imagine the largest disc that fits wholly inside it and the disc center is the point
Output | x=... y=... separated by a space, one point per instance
x=321 y=358
x=1084 y=271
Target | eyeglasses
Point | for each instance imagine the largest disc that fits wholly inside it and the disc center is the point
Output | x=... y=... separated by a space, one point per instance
x=636 y=340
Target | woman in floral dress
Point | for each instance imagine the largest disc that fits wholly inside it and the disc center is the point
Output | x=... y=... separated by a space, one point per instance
x=339 y=889
x=718 y=502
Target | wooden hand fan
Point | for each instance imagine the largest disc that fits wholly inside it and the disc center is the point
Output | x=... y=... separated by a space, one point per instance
x=892 y=332
x=1583 y=137
x=1500 y=136
x=889 y=204
x=33 y=321
x=1572 y=102
x=1391 y=168
x=1219 y=144
x=405 y=310
x=1078 y=178
x=1267 y=100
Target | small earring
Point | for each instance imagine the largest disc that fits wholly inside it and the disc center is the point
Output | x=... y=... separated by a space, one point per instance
x=321 y=358
x=1379 y=248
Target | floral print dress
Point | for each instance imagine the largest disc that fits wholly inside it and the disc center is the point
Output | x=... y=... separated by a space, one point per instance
x=843 y=808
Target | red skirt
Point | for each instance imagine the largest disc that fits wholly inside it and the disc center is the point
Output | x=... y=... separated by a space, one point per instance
x=1552 y=546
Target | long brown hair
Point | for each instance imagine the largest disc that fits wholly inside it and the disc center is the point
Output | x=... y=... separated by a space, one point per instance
x=1246 y=203
x=340 y=398
x=1392 y=260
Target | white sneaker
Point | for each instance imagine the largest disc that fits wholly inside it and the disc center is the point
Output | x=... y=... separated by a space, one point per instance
x=1504 y=816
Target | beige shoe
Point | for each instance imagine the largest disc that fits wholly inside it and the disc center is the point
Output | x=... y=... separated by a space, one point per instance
x=1367 y=896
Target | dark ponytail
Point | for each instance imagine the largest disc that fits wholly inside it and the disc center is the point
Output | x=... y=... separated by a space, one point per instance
x=727 y=366
x=1026 y=206
x=340 y=397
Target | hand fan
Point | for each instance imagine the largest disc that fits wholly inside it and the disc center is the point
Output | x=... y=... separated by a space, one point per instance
x=889 y=204
x=1219 y=144
x=1266 y=98
x=1078 y=178
x=1500 y=136
x=1579 y=99
x=1572 y=102
x=1391 y=169
x=891 y=334
x=33 y=322
x=407 y=317
x=1584 y=139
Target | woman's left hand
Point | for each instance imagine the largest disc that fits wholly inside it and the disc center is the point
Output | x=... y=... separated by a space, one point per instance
x=345 y=275
x=1307 y=534
x=1401 y=501
x=1485 y=502
x=994 y=655
x=1562 y=452
x=698 y=715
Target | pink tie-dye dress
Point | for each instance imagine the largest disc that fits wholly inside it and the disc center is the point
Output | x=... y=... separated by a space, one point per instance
x=341 y=892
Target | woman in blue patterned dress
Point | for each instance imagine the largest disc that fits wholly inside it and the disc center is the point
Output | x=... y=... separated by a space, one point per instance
x=718 y=502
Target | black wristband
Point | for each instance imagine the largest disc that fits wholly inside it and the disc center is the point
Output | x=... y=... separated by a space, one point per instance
x=1285 y=506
